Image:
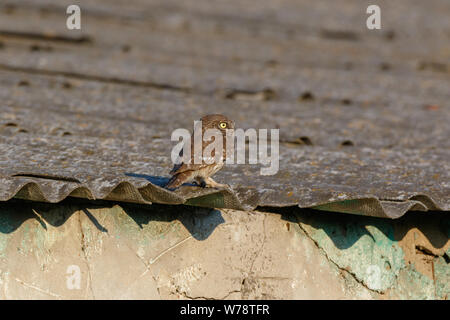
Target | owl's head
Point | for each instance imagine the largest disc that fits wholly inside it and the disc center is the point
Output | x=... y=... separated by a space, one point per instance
x=217 y=121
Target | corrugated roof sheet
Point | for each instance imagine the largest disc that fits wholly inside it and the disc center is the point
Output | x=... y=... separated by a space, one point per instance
x=363 y=115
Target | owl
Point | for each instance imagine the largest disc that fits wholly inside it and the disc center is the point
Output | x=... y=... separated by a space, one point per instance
x=201 y=173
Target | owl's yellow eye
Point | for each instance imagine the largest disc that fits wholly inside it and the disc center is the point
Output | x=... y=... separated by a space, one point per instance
x=222 y=125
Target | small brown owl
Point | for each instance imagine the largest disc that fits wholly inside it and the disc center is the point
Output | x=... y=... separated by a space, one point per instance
x=202 y=172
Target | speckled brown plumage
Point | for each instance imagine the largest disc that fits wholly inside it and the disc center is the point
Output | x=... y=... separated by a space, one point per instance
x=202 y=172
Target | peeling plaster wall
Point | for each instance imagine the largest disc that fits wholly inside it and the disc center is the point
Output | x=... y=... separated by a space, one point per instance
x=181 y=252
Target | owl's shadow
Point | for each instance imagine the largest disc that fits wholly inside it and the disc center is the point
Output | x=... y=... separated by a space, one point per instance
x=200 y=222
x=156 y=180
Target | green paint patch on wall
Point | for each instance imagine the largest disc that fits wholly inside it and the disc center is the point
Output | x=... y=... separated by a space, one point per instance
x=442 y=276
x=412 y=284
x=8 y=224
x=142 y=226
x=365 y=247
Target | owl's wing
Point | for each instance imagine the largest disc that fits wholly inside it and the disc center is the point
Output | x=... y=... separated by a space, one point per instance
x=182 y=167
x=177 y=166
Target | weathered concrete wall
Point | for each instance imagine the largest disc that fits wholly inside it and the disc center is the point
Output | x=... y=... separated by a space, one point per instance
x=181 y=252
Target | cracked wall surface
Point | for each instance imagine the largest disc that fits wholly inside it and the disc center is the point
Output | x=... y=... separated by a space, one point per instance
x=179 y=252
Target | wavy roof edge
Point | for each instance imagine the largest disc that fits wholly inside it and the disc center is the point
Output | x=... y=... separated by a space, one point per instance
x=125 y=191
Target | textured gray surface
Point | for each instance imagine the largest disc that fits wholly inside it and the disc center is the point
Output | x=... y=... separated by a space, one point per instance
x=85 y=108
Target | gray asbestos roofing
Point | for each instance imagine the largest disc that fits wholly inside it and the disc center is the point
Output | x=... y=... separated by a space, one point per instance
x=363 y=114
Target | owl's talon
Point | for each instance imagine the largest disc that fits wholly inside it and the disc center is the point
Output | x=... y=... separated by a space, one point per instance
x=228 y=187
x=200 y=182
x=220 y=186
x=212 y=184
